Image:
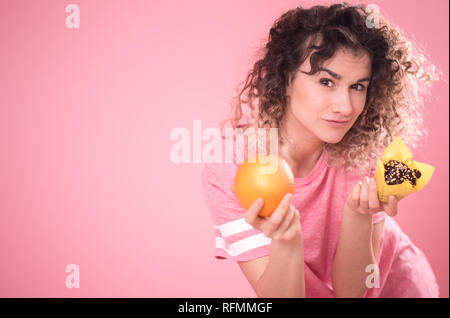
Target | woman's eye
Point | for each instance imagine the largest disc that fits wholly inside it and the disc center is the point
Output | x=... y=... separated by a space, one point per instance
x=360 y=87
x=329 y=83
x=326 y=82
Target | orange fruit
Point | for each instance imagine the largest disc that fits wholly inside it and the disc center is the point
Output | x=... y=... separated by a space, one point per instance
x=263 y=176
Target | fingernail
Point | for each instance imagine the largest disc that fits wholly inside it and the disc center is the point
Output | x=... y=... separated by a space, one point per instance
x=367 y=180
x=260 y=201
x=360 y=183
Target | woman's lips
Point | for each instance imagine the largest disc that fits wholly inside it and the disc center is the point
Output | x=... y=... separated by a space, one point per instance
x=337 y=123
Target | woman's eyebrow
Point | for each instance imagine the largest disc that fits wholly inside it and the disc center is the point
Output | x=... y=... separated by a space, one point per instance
x=337 y=76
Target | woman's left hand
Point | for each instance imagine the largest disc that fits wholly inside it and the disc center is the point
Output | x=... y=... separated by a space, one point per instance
x=363 y=199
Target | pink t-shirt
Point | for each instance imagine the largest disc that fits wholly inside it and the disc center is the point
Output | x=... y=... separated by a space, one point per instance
x=404 y=270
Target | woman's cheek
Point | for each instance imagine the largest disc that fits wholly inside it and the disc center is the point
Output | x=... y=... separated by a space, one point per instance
x=359 y=108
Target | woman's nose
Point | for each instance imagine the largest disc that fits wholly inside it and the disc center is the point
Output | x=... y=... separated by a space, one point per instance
x=343 y=104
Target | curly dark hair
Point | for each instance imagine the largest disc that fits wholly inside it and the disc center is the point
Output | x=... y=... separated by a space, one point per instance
x=393 y=104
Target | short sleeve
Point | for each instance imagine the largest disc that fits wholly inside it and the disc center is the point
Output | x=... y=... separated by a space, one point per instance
x=234 y=238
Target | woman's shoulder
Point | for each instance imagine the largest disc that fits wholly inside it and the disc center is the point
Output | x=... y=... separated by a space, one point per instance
x=218 y=184
x=218 y=172
x=222 y=167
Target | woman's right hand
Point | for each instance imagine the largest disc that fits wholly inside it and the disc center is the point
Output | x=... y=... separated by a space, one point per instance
x=282 y=225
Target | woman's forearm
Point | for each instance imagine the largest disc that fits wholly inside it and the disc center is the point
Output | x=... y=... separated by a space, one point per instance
x=353 y=254
x=284 y=275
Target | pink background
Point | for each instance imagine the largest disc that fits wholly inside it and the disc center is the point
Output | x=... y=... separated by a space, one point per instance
x=86 y=114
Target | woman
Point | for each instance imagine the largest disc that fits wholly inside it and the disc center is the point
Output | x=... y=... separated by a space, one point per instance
x=339 y=89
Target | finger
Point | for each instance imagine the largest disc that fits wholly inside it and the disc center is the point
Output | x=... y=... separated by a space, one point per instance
x=374 y=203
x=293 y=228
x=283 y=207
x=272 y=223
x=251 y=216
x=290 y=216
x=353 y=200
x=392 y=206
x=364 y=196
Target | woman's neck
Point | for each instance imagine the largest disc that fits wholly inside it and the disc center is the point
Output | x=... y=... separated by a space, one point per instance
x=300 y=149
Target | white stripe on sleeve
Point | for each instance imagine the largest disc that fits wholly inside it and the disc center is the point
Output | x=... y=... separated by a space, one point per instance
x=243 y=245
x=233 y=227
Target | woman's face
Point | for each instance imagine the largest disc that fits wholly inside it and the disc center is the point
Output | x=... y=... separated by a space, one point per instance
x=336 y=93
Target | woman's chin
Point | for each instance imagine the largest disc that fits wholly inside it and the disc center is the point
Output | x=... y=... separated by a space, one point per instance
x=331 y=139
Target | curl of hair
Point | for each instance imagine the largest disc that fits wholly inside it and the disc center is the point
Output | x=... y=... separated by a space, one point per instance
x=401 y=75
